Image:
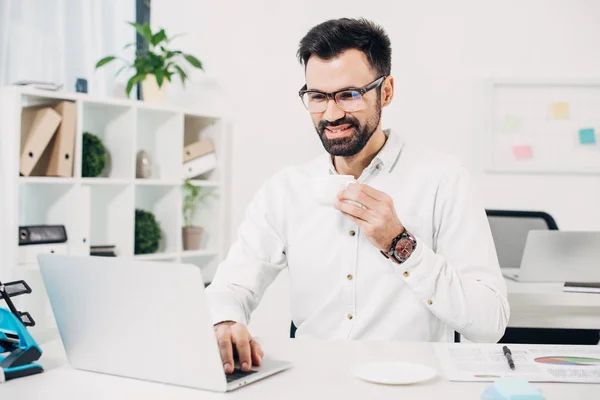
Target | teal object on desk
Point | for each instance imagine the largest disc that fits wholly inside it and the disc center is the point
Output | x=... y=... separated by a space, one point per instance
x=512 y=389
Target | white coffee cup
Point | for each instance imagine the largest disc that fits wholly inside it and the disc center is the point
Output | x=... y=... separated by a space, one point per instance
x=326 y=188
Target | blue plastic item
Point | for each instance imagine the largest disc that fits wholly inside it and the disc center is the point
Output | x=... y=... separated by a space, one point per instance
x=512 y=389
x=17 y=348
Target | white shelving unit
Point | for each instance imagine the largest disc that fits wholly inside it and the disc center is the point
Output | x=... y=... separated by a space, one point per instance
x=101 y=211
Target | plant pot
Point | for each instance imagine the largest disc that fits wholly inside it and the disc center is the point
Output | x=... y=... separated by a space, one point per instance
x=151 y=92
x=191 y=237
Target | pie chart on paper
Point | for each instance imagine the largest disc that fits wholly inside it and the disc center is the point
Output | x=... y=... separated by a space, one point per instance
x=581 y=361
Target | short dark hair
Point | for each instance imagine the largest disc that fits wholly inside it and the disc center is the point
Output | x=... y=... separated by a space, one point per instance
x=331 y=38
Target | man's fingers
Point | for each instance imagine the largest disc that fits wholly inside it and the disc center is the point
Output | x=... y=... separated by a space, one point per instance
x=257 y=353
x=225 y=347
x=374 y=193
x=352 y=210
x=241 y=338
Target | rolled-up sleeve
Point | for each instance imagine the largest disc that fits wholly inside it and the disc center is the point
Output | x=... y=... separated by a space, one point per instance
x=252 y=263
x=459 y=279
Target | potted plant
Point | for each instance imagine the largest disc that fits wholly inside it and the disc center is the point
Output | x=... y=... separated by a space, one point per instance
x=94 y=156
x=147 y=232
x=192 y=197
x=155 y=66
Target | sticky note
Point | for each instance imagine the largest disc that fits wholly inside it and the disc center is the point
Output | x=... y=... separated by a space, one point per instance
x=587 y=136
x=559 y=110
x=522 y=152
x=511 y=123
x=514 y=388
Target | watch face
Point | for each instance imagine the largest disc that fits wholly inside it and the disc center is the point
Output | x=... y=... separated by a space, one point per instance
x=404 y=248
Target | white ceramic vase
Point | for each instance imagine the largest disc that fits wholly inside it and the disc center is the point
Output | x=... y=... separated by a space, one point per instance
x=151 y=92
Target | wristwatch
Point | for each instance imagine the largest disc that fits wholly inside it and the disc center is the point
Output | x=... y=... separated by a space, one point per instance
x=401 y=248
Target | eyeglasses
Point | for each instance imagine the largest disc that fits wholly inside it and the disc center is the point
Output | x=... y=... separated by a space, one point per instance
x=348 y=99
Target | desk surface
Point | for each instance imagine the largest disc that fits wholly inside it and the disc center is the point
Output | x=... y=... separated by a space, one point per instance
x=321 y=370
x=546 y=305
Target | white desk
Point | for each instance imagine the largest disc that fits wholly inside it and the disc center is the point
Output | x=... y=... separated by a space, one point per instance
x=546 y=305
x=322 y=370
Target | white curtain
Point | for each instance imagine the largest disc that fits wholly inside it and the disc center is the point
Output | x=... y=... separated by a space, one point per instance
x=61 y=40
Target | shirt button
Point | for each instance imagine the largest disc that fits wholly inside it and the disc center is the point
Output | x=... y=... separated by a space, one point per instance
x=352 y=232
x=349 y=276
x=349 y=316
x=429 y=302
x=378 y=166
x=406 y=274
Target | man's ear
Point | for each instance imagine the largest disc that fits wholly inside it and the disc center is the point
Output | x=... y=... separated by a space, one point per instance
x=387 y=91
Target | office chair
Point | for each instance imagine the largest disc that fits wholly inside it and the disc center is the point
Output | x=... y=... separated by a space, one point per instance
x=509 y=230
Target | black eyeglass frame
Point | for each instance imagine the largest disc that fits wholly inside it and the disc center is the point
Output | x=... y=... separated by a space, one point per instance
x=376 y=83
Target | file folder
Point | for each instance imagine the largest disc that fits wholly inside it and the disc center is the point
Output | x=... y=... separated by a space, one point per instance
x=197 y=149
x=199 y=166
x=38 y=126
x=62 y=146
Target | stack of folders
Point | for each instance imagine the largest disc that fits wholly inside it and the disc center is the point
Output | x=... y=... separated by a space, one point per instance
x=582 y=287
x=48 y=140
x=103 y=251
x=198 y=158
x=37 y=239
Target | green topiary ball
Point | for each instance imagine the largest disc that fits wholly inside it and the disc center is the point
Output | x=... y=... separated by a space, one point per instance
x=147 y=232
x=94 y=156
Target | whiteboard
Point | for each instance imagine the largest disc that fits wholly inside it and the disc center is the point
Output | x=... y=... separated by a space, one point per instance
x=543 y=127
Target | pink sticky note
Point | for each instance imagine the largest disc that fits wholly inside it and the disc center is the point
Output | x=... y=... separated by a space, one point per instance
x=522 y=152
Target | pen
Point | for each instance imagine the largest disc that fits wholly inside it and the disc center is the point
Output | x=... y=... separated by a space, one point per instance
x=508 y=356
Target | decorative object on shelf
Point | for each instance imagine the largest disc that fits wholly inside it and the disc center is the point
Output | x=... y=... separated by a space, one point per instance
x=94 y=157
x=192 y=197
x=199 y=158
x=143 y=165
x=147 y=232
x=81 y=85
x=154 y=66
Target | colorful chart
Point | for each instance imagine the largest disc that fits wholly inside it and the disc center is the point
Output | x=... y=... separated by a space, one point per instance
x=584 y=361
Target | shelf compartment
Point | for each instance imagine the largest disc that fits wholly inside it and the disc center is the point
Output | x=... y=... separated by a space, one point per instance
x=67 y=205
x=164 y=202
x=208 y=216
x=115 y=126
x=159 y=135
x=112 y=218
x=196 y=128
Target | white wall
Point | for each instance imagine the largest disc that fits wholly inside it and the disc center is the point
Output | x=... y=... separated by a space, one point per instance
x=441 y=53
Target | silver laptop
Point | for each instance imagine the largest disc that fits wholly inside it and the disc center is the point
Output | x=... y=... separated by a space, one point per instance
x=558 y=256
x=139 y=319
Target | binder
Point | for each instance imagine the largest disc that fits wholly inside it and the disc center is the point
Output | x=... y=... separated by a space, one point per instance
x=197 y=149
x=38 y=126
x=199 y=166
x=62 y=146
x=28 y=254
x=42 y=234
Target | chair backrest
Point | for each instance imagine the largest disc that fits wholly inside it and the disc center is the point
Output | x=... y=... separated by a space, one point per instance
x=510 y=229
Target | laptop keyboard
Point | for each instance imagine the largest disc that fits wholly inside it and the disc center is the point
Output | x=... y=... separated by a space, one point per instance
x=238 y=374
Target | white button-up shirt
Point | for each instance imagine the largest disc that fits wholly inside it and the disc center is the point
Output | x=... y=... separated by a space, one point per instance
x=341 y=285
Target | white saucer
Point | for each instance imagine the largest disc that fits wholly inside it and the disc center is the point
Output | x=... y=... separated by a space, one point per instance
x=394 y=373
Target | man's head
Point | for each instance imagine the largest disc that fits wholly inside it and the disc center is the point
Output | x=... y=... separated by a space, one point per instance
x=346 y=54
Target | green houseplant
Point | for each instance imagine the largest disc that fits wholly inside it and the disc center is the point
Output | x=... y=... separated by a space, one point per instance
x=192 y=197
x=155 y=66
x=93 y=160
x=147 y=232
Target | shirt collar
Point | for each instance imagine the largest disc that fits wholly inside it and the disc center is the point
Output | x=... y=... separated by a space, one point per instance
x=387 y=156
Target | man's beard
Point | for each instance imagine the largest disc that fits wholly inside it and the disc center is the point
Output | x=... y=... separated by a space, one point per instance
x=352 y=144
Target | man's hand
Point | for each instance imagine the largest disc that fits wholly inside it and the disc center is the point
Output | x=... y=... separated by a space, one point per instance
x=378 y=220
x=233 y=337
